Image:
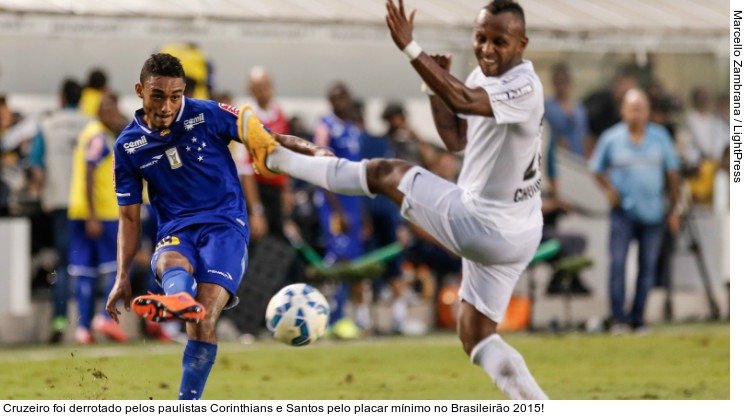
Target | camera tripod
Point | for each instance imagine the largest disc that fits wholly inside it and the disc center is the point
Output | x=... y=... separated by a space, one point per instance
x=688 y=229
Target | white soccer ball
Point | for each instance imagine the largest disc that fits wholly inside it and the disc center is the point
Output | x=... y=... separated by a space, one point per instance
x=297 y=315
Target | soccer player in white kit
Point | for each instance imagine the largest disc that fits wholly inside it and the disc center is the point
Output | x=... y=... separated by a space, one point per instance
x=492 y=216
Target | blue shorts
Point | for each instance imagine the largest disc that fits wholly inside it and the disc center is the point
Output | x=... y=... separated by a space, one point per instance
x=217 y=252
x=91 y=257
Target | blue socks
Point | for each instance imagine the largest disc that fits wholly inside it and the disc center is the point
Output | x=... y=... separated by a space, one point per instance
x=177 y=280
x=338 y=304
x=84 y=296
x=198 y=358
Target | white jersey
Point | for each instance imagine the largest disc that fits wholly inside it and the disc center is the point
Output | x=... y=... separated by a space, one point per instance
x=501 y=170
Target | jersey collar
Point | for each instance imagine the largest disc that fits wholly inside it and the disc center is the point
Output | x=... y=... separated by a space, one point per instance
x=141 y=123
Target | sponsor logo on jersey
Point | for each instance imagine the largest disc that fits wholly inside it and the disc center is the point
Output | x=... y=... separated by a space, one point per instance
x=167 y=241
x=189 y=124
x=154 y=161
x=223 y=274
x=230 y=108
x=528 y=192
x=512 y=94
x=131 y=147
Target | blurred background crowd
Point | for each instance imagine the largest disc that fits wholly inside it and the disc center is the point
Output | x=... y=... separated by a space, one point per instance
x=330 y=75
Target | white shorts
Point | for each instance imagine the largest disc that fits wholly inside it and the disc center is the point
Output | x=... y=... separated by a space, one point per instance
x=493 y=260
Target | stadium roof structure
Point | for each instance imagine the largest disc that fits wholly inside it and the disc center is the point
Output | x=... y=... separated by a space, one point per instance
x=593 y=25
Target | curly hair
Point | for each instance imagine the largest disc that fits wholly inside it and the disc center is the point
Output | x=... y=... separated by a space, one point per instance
x=162 y=65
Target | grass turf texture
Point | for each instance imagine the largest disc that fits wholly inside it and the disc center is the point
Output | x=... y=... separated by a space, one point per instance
x=675 y=362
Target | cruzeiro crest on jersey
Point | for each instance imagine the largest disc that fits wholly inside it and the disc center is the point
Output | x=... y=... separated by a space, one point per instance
x=131 y=147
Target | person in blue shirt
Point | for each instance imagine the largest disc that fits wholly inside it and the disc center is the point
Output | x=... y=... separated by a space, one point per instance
x=567 y=118
x=341 y=216
x=179 y=146
x=637 y=167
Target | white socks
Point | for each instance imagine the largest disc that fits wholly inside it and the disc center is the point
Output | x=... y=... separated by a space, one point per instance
x=507 y=369
x=337 y=175
x=400 y=313
x=362 y=316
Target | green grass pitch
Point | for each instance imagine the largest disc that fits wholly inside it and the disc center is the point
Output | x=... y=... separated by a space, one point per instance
x=683 y=361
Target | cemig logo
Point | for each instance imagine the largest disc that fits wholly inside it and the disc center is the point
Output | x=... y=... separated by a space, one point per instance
x=189 y=124
x=131 y=147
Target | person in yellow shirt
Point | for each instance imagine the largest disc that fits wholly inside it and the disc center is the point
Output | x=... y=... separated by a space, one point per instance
x=93 y=92
x=93 y=214
x=197 y=67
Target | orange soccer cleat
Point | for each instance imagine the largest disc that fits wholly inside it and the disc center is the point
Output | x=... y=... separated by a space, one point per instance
x=109 y=328
x=161 y=308
x=259 y=142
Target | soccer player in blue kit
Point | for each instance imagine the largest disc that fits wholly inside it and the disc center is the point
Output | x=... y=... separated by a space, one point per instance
x=179 y=146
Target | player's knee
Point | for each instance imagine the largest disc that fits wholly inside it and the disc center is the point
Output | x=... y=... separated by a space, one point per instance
x=170 y=259
x=383 y=173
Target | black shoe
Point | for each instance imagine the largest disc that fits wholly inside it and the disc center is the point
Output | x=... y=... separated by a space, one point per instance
x=557 y=285
x=578 y=288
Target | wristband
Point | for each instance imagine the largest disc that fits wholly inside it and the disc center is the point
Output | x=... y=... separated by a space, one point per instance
x=412 y=50
x=257 y=210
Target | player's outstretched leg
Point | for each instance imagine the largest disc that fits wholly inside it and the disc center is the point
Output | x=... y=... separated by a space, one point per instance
x=499 y=360
x=337 y=175
x=176 y=304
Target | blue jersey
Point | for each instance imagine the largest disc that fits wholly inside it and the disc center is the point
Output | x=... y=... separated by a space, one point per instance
x=343 y=139
x=190 y=174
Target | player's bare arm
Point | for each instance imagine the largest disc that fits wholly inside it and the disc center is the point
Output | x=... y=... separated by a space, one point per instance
x=452 y=129
x=672 y=184
x=126 y=250
x=453 y=92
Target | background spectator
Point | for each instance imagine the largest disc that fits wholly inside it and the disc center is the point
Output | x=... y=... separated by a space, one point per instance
x=93 y=92
x=566 y=116
x=603 y=106
x=51 y=169
x=636 y=165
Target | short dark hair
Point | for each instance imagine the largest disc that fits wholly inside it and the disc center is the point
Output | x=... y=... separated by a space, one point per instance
x=97 y=79
x=162 y=65
x=500 y=6
x=392 y=109
x=71 y=92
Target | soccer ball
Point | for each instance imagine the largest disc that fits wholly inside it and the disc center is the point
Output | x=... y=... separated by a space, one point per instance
x=297 y=315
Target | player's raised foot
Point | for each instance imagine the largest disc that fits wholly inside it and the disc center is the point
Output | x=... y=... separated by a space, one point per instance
x=162 y=308
x=109 y=328
x=259 y=142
